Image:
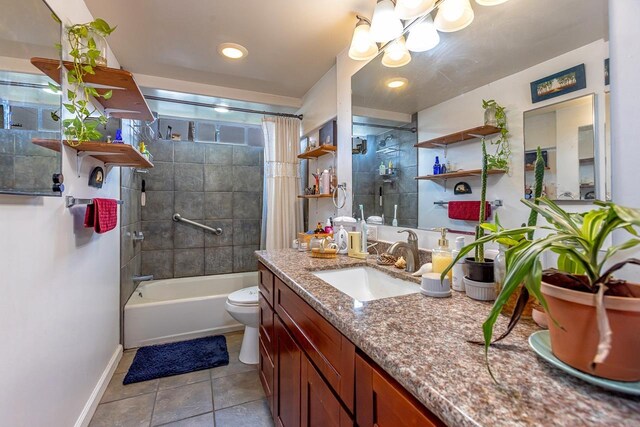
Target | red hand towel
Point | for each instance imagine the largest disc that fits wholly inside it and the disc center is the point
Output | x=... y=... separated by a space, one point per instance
x=468 y=211
x=102 y=215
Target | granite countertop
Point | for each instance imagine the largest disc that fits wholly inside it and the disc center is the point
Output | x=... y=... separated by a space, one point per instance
x=422 y=342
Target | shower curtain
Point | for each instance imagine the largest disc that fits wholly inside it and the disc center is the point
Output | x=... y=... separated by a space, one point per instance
x=281 y=211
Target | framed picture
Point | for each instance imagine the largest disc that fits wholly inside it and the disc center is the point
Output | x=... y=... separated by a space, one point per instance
x=530 y=159
x=606 y=72
x=557 y=84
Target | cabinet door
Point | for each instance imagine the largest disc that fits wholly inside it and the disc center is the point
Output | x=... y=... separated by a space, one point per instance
x=287 y=364
x=266 y=374
x=265 y=283
x=266 y=324
x=382 y=402
x=319 y=406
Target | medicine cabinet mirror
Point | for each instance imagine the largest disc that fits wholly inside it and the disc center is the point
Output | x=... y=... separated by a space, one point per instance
x=29 y=108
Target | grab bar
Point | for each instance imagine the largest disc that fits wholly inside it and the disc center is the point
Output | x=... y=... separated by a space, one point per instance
x=496 y=203
x=178 y=218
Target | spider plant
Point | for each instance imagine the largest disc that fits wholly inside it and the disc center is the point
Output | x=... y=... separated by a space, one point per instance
x=578 y=239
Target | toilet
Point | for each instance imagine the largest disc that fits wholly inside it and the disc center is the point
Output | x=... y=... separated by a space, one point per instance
x=243 y=306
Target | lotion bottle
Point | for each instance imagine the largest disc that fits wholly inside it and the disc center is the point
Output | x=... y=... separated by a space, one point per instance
x=441 y=256
x=457 y=282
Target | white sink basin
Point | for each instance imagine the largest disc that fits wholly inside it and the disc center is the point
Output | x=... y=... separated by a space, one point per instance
x=367 y=284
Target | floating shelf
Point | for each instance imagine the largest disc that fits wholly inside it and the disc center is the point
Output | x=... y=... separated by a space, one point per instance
x=533 y=168
x=51 y=144
x=454 y=138
x=318 y=152
x=460 y=174
x=315 y=196
x=127 y=101
x=586 y=160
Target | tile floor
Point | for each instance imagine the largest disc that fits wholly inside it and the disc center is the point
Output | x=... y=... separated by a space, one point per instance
x=228 y=396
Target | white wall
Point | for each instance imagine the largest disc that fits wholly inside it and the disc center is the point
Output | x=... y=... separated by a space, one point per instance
x=466 y=111
x=60 y=295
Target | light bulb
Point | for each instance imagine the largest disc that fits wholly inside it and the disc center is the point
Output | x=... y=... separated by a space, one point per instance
x=423 y=36
x=452 y=10
x=411 y=9
x=396 y=54
x=385 y=24
x=362 y=45
x=453 y=15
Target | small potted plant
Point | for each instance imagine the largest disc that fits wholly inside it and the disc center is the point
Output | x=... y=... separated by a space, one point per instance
x=594 y=318
x=496 y=115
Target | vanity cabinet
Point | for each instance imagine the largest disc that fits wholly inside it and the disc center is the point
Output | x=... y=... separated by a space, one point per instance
x=312 y=375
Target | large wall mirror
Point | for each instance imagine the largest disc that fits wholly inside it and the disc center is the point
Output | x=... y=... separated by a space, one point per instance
x=505 y=49
x=29 y=108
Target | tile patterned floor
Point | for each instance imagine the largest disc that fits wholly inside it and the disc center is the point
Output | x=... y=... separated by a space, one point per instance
x=228 y=396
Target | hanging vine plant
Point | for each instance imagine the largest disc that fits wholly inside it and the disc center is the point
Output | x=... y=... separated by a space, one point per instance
x=496 y=115
x=87 y=49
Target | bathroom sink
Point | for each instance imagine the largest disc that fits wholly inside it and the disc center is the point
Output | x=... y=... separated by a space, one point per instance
x=366 y=283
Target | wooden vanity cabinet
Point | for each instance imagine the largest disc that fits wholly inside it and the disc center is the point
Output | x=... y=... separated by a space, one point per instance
x=266 y=333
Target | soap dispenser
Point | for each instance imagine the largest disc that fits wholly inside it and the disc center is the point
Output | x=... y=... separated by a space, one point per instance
x=441 y=256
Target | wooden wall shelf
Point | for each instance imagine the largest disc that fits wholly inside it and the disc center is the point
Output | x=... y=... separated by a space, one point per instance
x=533 y=168
x=315 y=196
x=318 y=152
x=127 y=101
x=460 y=174
x=454 y=138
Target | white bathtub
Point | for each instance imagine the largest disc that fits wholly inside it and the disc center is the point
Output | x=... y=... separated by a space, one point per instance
x=170 y=310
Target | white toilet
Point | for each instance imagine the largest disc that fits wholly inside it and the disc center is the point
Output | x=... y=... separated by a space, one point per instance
x=243 y=306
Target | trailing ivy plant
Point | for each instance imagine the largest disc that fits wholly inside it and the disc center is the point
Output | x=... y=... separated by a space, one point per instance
x=500 y=159
x=84 y=52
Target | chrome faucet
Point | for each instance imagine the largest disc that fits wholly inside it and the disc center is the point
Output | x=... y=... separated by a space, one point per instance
x=410 y=248
x=138 y=279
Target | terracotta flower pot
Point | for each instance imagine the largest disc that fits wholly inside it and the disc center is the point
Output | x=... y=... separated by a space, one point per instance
x=576 y=342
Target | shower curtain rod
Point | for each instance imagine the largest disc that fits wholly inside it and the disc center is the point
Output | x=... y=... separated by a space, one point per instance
x=238 y=109
x=373 y=125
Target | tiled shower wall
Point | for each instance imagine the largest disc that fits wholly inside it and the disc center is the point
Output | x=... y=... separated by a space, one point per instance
x=219 y=185
x=130 y=251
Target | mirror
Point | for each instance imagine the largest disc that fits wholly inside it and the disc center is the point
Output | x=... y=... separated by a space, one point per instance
x=506 y=48
x=565 y=133
x=30 y=133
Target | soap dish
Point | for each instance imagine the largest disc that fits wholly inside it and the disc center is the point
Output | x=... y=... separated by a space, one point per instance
x=326 y=253
x=386 y=259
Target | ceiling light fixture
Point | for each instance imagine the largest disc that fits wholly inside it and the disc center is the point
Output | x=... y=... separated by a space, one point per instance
x=423 y=36
x=410 y=9
x=454 y=15
x=232 y=50
x=385 y=24
x=221 y=109
x=490 y=2
x=362 y=46
x=396 y=54
x=397 y=82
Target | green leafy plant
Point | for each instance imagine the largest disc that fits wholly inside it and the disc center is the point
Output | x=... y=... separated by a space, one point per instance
x=85 y=55
x=502 y=154
x=575 y=237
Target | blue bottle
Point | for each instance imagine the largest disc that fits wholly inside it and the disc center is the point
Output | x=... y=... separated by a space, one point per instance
x=436 y=166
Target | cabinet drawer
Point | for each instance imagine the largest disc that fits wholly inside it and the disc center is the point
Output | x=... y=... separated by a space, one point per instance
x=266 y=374
x=266 y=324
x=265 y=283
x=326 y=347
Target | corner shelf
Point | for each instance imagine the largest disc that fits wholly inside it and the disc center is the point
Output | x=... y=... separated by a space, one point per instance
x=318 y=152
x=460 y=174
x=110 y=154
x=454 y=138
x=315 y=196
x=127 y=101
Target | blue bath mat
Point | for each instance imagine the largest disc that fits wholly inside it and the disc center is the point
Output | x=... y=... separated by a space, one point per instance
x=176 y=358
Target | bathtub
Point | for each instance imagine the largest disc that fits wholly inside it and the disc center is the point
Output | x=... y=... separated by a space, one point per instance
x=161 y=311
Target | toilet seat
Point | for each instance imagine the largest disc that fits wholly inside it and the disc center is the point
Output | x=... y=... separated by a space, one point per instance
x=244 y=297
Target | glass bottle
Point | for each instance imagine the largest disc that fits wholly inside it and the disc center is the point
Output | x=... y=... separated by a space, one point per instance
x=500 y=268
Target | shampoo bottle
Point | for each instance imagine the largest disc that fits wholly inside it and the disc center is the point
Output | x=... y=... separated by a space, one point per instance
x=441 y=256
x=457 y=281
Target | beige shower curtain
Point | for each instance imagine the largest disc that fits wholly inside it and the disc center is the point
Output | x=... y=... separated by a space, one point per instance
x=282 y=211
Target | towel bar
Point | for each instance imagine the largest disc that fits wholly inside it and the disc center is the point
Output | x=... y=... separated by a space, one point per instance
x=495 y=203
x=72 y=201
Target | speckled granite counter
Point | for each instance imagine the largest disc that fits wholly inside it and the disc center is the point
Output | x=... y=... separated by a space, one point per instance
x=423 y=343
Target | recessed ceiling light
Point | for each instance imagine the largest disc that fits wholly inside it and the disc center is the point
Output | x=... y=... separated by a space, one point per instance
x=397 y=82
x=221 y=109
x=232 y=50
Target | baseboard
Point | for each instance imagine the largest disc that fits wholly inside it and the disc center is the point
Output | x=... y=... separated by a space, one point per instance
x=92 y=403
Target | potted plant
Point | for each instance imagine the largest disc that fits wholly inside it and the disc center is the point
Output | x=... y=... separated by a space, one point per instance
x=496 y=115
x=87 y=49
x=594 y=318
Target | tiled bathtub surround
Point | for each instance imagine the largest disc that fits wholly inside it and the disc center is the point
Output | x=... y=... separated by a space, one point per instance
x=219 y=185
x=424 y=344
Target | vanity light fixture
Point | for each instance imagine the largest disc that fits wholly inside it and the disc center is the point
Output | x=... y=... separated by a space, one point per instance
x=232 y=50
x=411 y=9
x=453 y=15
x=397 y=82
x=396 y=54
x=385 y=24
x=362 y=46
x=423 y=36
x=490 y=2
x=221 y=109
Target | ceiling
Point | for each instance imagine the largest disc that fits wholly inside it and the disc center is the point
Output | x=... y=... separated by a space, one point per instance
x=27 y=29
x=291 y=43
x=501 y=41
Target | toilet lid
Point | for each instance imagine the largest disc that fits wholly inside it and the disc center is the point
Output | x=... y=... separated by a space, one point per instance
x=246 y=296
